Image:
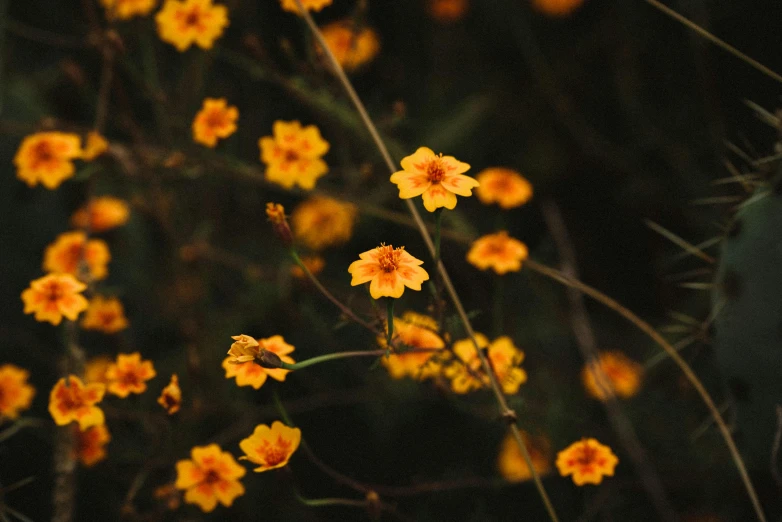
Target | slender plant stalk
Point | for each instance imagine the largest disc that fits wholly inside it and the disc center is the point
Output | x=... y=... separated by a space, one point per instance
x=438 y=216
x=330 y=357
x=389 y=323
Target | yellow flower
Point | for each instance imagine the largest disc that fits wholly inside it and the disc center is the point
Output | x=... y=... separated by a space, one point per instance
x=189 y=22
x=389 y=270
x=499 y=251
x=293 y=154
x=557 y=7
x=587 y=460
x=105 y=314
x=46 y=158
x=270 y=448
x=129 y=374
x=321 y=222
x=76 y=402
x=419 y=332
x=53 y=296
x=171 y=396
x=127 y=9
x=15 y=394
x=309 y=5
x=511 y=462
x=96 y=145
x=95 y=369
x=211 y=476
x=67 y=251
x=314 y=264
x=91 y=444
x=246 y=349
x=622 y=374
x=447 y=10
x=350 y=45
x=101 y=214
x=216 y=119
x=506 y=187
x=504 y=357
x=437 y=178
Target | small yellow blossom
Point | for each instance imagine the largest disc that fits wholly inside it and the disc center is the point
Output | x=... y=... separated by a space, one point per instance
x=321 y=222
x=91 y=443
x=587 y=460
x=53 y=297
x=244 y=349
x=447 y=10
x=101 y=214
x=388 y=270
x=350 y=45
x=95 y=146
x=216 y=119
x=95 y=369
x=15 y=394
x=187 y=22
x=47 y=158
x=293 y=155
x=171 y=396
x=505 y=360
x=105 y=314
x=76 y=402
x=511 y=462
x=129 y=374
x=499 y=251
x=506 y=187
x=622 y=374
x=65 y=254
x=127 y=9
x=250 y=373
x=270 y=448
x=414 y=331
x=557 y=7
x=309 y=5
x=211 y=476
x=314 y=264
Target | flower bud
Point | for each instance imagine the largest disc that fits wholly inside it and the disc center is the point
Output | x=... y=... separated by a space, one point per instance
x=276 y=214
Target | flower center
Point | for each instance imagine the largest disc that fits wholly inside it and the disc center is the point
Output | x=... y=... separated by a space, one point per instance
x=192 y=18
x=54 y=293
x=211 y=477
x=389 y=257
x=215 y=119
x=291 y=155
x=587 y=455
x=435 y=170
x=129 y=378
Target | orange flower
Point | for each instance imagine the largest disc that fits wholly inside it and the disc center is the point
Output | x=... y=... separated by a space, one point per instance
x=127 y=9
x=270 y=448
x=389 y=269
x=76 y=402
x=351 y=46
x=557 y=7
x=620 y=373
x=95 y=369
x=506 y=187
x=499 y=251
x=309 y=5
x=53 y=296
x=101 y=214
x=240 y=361
x=15 y=394
x=437 y=178
x=321 y=222
x=211 y=476
x=447 y=10
x=314 y=264
x=189 y=22
x=105 y=314
x=419 y=332
x=46 y=157
x=91 y=444
x=505 y=359
x=587 y=460
x=511 y=462
x=293 y=154
x=67 y=251
x=171 y=396
x=95 y=146
x=216 y=119
x=129 y=374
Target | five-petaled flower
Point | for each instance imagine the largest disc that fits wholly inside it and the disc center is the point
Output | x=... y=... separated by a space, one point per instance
x=126 y=9
x=270 y=448
x=437 y=178
x=129 y=374
x=53 y=297
x=587 y=460
x=499 y=251
x=615 y=371
x=211 y=476
x=216 y=119
x=245 y=350
x=352 y=46
x=309 y=5
x=101 y=214
x=68 y=251
x=506 y=187
x=293 y=154
x=189 y=22
x=171 y=396
x=47 y=158
x=91 y=443
x=388 y=270
x=416 y=332
x=321 y=222
x=105 y=314
x=511 y=463
x=505 y=359
x=76 y=401
x=15 y=394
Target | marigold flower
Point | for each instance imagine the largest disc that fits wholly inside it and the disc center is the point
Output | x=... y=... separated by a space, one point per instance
x=418 y=332
x=187 y=22
x=95 y=369
x=46 y=158
x=65 y=254
x=293 y=154
x=447 y=10
x=101 y=214
x=171 y=396
x=389 y=270
x=351 y=46
x=511 y=462
x=499 y=251
x=270 y=448
x=129 y=374
x=127 y=9
x=216 y=119
x=309 y=5
x=321 y=222
x=105 y=314
x=622 y=375
x=239 y=362
x=53 y=296
x=557 y=7
x=91 y=444
x=314 y=264
x=76 y=401
x=587 y=460
x=437 y=178
x=506 y=187
x=211 y=476
x=15 y=394
x=505 y=359
x=95 y=146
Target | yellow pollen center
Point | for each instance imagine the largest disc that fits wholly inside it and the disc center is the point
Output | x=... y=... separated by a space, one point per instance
x=291 y=155
x=389 y=258
x=54 y=292
x=43 y=153
x=192 y=18
x=587 y=455
x=435 y=170
x=211 y=477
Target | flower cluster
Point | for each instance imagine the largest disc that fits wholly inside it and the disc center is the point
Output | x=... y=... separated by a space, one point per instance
x=421 y=347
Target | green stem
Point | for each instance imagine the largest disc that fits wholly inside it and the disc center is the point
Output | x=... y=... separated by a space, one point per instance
x=390 y=320
x=319 y=502
x=330 y=357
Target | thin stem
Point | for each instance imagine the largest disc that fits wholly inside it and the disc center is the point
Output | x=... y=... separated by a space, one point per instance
x=389 y=323
x=319 y=502
x=438 y=216
x=330 y=357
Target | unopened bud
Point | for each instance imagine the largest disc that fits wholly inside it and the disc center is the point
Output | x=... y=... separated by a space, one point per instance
x=276 y=214
x=373 y=505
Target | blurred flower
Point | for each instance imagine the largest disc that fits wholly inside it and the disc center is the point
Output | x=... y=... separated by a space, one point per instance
x=46 y=157
x=101 y=214
x=276 y=214
x=499 y=251
x=250 y=373
x=129 y=374
x=15 y=394
x=419 y=332
x=622 y=374
x=587 y=460
x=447 y=10
x=506 y=187
x=67 y=251
x=437 y=178
x=127 y=9
x=351 y=46
x=270 y=448
x=53 y=296
x=187 y=22
x=321 y=222
x=95 y=146
x=95 y=369
x=511 y=462
x=105 y=314
x=91 y=444
x=170 y=495
x=293 y=154
x=314 y=264
x=171 y=396
x=211 y=476
x=309 y=5
x=76 y=402
x=557 y=7
x=216 y=119
x=504 y=357
x=389 y=269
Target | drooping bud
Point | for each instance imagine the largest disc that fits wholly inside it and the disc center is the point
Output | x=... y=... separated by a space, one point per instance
x=276 y=214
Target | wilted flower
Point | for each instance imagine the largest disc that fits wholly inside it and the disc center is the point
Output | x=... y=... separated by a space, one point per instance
x=270 y=448
x=388 y=270
x=171 y=396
